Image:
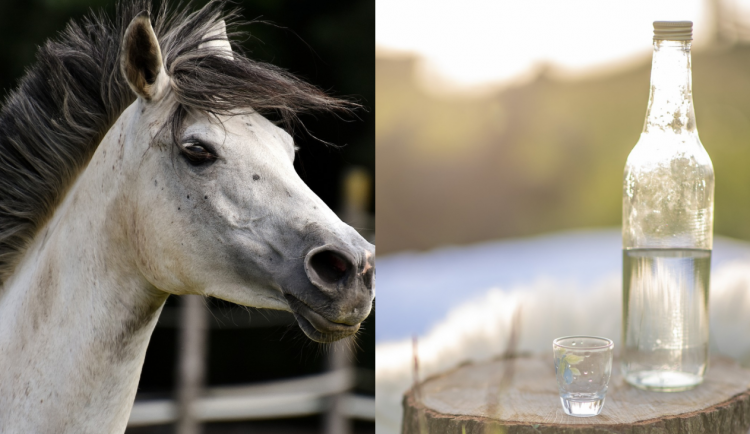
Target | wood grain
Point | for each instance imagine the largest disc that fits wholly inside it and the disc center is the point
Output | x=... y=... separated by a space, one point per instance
x=486 y=398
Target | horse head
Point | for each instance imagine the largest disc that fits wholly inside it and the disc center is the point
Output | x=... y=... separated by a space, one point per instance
x=215 y=204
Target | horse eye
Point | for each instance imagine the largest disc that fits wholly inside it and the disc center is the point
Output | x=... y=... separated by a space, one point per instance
x=197 y=154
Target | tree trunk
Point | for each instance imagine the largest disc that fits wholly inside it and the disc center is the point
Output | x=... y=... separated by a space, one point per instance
x=520 y=395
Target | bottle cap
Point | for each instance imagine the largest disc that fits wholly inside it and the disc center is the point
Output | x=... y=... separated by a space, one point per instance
x=673 y=30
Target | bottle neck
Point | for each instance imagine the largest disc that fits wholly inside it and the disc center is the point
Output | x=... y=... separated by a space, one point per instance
x=670 y=105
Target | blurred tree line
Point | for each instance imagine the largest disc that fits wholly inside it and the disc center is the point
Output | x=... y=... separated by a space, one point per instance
x=543 y=156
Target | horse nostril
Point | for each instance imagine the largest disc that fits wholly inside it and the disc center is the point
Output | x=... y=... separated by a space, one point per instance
x=330 y=266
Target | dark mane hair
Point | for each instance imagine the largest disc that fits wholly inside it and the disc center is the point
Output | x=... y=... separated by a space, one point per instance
x=53 y=122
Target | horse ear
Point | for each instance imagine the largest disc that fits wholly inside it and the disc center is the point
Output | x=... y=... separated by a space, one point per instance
x=141 y=60
x=216 y=39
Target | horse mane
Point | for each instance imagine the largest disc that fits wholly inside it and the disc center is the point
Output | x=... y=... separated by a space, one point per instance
x=53 y=122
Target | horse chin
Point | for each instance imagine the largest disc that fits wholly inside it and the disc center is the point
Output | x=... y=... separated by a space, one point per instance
x=316 y=326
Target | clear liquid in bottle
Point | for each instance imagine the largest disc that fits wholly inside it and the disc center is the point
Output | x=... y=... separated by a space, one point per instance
x=666 y=291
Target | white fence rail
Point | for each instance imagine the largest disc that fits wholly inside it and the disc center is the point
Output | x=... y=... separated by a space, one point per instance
x=285 y=398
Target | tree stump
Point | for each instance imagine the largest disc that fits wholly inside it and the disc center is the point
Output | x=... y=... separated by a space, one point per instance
x=519 y=395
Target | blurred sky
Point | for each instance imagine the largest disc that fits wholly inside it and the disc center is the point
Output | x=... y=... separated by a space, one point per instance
x=475 y=43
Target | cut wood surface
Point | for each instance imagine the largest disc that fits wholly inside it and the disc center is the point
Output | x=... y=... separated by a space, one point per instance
x=520 y=396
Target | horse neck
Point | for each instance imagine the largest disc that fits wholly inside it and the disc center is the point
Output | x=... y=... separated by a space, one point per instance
x=76 y=316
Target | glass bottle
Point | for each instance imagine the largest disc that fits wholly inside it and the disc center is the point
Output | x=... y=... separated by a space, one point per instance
x=667 y=229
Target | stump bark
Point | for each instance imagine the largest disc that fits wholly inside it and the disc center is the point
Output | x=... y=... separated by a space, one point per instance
x=520 y=396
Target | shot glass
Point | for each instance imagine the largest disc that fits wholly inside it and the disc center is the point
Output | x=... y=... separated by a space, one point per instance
x=583 y=365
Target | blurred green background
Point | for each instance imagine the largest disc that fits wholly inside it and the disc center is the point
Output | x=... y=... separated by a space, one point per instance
x=542 y=156
x=330 y=44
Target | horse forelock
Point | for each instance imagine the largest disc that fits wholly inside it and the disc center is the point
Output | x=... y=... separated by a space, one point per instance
x=51 y=125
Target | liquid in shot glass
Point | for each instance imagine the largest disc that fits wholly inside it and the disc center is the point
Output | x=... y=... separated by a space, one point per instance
x=583 y=365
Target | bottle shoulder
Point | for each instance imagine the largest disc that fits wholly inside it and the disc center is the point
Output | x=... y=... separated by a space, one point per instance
x=656 y=151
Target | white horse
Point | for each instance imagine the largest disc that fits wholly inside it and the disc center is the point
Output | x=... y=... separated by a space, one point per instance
x=135 y=164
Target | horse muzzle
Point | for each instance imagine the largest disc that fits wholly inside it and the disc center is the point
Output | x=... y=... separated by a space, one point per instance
x=316 y=326
x=341 y=294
